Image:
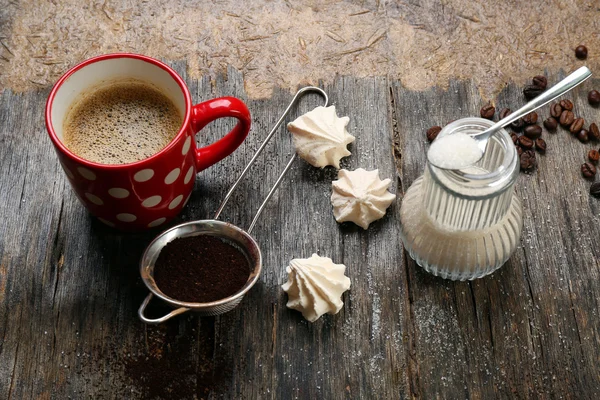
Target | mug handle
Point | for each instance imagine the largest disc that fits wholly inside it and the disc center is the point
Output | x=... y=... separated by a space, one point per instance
x=211 y=110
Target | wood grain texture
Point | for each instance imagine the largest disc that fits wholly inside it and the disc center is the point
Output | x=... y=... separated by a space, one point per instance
x=69 y=287
x=530 y=330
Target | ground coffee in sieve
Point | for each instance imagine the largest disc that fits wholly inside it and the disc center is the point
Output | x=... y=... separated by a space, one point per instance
x=200 y=269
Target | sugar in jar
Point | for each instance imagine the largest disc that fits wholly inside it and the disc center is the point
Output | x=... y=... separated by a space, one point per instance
x=464 y=224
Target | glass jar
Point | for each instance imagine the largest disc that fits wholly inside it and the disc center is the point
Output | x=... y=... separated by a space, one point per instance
x=464 y=224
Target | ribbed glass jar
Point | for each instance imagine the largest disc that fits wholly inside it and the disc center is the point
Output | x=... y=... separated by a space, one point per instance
x=465 y=224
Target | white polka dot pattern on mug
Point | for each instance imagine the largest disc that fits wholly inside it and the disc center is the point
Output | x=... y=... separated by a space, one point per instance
x=86 y=173
x=126 y=217
x=106 y=222
x=151 y=201
x=188 y=175
x=186 y=146
x=175 y=202
x=94 y=199
x=172 y=176
x=156 y=222
x=143 y=175
x=118 y=193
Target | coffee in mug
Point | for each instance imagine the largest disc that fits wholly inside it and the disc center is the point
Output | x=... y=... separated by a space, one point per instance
x=121 y=122
x=123 y=127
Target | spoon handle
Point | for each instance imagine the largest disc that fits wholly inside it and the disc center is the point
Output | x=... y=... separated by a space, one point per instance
x=555 y=91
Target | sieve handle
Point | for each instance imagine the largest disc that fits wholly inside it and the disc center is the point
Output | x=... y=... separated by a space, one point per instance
x=298 y=95
x=161 y=319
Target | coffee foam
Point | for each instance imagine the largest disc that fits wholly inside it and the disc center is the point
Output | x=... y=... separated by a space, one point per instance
x=121 y=122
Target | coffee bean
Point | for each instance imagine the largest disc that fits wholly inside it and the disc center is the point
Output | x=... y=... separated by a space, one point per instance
x=581 y=52
x=588 y=170
x=577 y=125
x=533 y=131
x=583 y=136
x=519 y=150
x=514 y=137
x=540 y=81
x=595 y=189
x=555 y=110
x=550 y=124
x=517 y=125
x=594 y=131
x=527 y=160
x=487 y=111
x=532 y=91
x=594 y=97
x=540 y=145
x=525 y=142
x=594 y=156
x=530 y=118
x=505 y=112
x=433 y=132
x=566 y=105
x=566 y=118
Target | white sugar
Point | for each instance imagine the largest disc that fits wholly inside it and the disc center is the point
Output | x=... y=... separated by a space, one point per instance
x=454 y=151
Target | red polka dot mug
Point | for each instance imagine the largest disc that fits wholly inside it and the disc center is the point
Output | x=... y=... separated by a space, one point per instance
x=150 y=192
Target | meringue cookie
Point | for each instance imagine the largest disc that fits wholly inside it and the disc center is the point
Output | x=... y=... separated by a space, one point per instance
x=315 y=286
x=360 y=197
x=320 y=137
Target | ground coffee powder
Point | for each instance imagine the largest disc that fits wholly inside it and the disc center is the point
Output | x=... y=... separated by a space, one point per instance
x=200 y=269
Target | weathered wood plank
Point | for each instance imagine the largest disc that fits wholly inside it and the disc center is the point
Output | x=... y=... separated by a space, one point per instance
x=531 y=329
x=71 y=294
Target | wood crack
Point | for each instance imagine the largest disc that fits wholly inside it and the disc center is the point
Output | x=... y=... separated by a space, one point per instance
x=395 y=136
x=60 y=260
x=474 y=303
x=490 y=325
x=24 y=182
x=575 y=318
x=530 y=320
x=412 y=362
x=12 y=375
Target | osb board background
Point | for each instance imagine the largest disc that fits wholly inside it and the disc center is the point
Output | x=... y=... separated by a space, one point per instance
x=421 y=43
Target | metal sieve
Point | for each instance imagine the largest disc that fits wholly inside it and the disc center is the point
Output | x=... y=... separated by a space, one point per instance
x=224 y=230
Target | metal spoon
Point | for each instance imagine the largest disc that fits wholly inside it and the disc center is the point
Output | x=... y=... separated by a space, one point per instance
x=555 y=91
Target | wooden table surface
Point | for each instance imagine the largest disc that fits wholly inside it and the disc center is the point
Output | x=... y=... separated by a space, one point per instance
x=70 y=287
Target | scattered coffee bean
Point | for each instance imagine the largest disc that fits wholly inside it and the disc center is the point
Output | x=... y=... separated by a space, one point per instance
x=594 y=97
x=525 y=142
x=581 y=52
x=583 y=136
x=540 y=145
x=530 y=118
x=505 y=112
x=514 y=137
x=527 y=160
x=433 y=132
x=594 y=156
x=555 y=110
x=533 y=131
x=566 y=118
x=566 y=105
x=594 y=131
x=588 y=170
x=487 y=111
x=517 y=125
x=550 y=124
x=519 y=150
x=532 y=91
x=576 y=126
x=595 y=189
x=540 y=81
